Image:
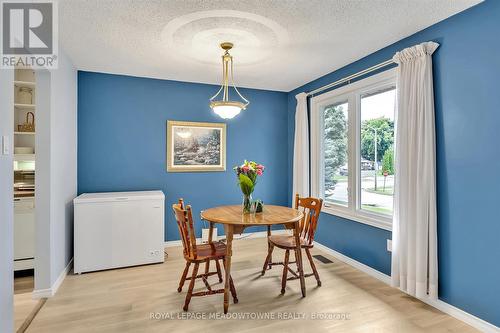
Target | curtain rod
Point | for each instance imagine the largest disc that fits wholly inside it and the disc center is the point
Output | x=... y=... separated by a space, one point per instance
x=351 y=77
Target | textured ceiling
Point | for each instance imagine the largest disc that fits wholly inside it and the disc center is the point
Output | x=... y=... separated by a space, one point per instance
x=279 y=44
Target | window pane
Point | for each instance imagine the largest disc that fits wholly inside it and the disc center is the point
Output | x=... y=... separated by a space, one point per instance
x=335 y=153
x=377 y=151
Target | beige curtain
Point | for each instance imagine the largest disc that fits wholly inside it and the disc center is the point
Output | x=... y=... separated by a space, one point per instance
x=301 y=149
x=414 y=236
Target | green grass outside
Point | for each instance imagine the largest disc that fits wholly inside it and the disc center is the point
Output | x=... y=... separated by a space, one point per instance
x=340 y=178
x=380 y=190
x=379 y=210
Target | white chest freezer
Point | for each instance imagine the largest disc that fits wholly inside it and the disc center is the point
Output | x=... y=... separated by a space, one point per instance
x=118 y=229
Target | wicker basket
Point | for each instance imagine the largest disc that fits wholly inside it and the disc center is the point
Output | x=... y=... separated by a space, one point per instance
x=29 y=125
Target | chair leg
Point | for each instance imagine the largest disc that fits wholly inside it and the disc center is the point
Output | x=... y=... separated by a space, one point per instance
x=207 y=266
x=219 y=272
x=233 y=290
x=268 y=246
x=191 y=286
x=313 y=266
x=183 y=277
x=285 y=271
x=268 y=258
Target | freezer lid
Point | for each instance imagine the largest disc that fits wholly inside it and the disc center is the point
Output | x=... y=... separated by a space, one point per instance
x=118 y=196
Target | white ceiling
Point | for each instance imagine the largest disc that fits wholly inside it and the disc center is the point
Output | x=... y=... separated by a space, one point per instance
x=279 y=44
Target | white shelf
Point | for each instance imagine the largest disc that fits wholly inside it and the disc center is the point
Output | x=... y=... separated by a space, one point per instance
x=24 y=106
x=24 y=157
x=27 y=84
x=25 y=133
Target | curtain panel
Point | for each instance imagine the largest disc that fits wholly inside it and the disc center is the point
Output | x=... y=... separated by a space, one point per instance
x=301 y=149
x=414 y=256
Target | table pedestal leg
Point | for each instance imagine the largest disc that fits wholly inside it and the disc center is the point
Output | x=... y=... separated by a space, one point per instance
x=298 y=258
x=229 y=230
x=210 y=232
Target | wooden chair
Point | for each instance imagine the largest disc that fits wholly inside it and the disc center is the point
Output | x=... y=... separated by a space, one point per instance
x=311 y=208
x=198 y=254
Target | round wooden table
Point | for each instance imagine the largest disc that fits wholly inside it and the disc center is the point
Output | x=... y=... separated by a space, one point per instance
x=235 y=221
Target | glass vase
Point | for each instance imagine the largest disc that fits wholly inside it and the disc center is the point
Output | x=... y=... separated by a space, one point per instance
x=247 y=203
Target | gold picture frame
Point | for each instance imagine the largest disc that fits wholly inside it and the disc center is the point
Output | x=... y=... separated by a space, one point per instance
x=195 y=146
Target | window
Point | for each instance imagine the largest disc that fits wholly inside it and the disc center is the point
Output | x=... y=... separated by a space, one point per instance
x=335 y=152
x=352 y=149
x=377 y=151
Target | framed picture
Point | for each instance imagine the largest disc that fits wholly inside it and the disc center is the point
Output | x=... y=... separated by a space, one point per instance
x=196 y=147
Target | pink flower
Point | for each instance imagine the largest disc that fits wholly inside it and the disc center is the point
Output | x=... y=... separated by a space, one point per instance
x=259 y=172
x=245 y=168
x=260 y=166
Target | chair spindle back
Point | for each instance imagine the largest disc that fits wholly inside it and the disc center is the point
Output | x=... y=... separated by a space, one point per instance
x=184 y=218
x=311 y=207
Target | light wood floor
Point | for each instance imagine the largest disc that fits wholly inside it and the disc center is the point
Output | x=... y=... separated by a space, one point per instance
x=24 y=284
x=24 y=304
x=123 y=300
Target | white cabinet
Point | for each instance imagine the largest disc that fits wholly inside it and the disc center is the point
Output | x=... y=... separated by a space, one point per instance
x=24 y=233
x=118 y=229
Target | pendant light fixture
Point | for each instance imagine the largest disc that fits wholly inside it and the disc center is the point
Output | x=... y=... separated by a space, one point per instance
x=225 y=107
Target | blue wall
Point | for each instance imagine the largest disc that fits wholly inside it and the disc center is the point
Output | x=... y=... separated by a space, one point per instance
x=121 y=141
x=467 y=100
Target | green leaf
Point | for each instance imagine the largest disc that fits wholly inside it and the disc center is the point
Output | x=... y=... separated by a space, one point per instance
x=246 y=184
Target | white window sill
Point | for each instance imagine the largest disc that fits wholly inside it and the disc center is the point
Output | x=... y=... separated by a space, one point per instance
x=365 y=218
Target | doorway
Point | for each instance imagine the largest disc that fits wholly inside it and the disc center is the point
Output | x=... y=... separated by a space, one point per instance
x=24 y=177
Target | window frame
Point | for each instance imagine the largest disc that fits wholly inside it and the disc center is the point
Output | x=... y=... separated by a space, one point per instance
x=352 y=93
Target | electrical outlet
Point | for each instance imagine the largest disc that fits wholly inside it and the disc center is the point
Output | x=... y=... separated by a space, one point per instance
x=204 y=235
x=389 y=245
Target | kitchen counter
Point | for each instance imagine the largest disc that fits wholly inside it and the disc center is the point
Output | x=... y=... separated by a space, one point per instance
x=23 y=194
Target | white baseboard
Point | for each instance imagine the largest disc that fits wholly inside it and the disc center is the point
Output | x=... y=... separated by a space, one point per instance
x=178 y=242
x=466 y=317
x=356 y=264
x=459 y=314
x=49 y=292
x=249 y=235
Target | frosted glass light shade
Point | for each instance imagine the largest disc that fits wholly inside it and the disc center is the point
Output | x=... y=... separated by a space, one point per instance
x=227 y=110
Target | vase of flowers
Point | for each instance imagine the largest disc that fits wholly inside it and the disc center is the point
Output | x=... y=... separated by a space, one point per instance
x=247 y=175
